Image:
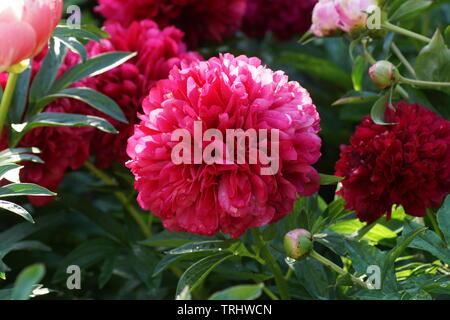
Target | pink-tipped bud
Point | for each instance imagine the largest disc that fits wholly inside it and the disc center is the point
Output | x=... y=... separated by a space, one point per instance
x=383 y=74
x=298 y=243
x=325 y=19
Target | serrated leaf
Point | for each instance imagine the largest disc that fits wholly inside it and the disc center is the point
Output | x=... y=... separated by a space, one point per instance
x=243 y=292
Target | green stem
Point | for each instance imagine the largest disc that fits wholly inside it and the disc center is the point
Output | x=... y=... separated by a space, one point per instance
x=7 y=98
x=273 y=265
x=329 y=264
x=422 y=83
x=403 y=60
x=430 y=215
x=122 y=198
x=270 y=294
x=390 y=27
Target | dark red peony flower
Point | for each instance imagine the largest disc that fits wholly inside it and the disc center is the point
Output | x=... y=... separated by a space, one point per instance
x=61 y=149
x=285 y=18
x=200 y=19
x=404 y=164
x=158 y=51
x=229 y=196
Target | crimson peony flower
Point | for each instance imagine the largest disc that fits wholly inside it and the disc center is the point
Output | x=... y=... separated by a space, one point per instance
x=224 y=93
x=61 y=148
x=285 y=18
x=200 y=19
x=158 y=51
x=406 y=164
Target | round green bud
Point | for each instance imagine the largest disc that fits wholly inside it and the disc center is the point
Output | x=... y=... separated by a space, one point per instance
x=298 y=243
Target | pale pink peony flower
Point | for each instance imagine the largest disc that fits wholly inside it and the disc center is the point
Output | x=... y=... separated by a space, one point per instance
x=325 y=19
x=25 y=27
x=353 y=13
x=224 y=93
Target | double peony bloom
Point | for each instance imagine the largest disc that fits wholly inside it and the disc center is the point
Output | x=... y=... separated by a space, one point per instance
x=25 y=27
x=332 y=16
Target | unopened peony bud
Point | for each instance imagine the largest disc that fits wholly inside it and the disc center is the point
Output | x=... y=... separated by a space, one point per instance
x=25 y=27
x=383 y=74
x=325 y=19
x=353 y=13
x=297 y=243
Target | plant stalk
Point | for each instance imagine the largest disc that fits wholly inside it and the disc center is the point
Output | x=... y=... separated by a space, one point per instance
x=122 y=198
x=7 y=98
x=273 y=265
x=391 y=27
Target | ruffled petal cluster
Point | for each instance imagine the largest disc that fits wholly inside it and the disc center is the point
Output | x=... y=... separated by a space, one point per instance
x=158 y=51
x=201 y=19
x=224 y=93
x=407 y=163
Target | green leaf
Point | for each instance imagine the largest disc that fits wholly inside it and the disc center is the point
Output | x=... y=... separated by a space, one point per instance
x=75 y=46
x=15 y=208
x=24 y=189
x=314 y=278
x=172 y=239
x=443 y=218
x=26 y=280
x=243 y=292
x=429 y=241
x=20 y=96
x=205 y=246
x=90 y=68
x=358 y=97
x=410 y=9
x=358 y=71
x=433 y=61
x=379 y=109
x=93 y=98
x=7 y=168
x=58 y=119
x=326 y=179
x=63 y=31
x=317 y=67
x=196 y=273
x=46 y=75
x=106 y=271
x=169 y=260
x=377 y=233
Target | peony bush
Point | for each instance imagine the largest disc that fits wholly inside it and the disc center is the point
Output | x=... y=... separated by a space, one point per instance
x=243 y=149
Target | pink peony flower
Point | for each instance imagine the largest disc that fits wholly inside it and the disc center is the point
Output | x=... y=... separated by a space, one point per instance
x=158 y=51
x=404 y=164
x=224 y=93
x=33 y=20
x=285 y=18
x=200 y=19
x=353 y=13
x=325 y=19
